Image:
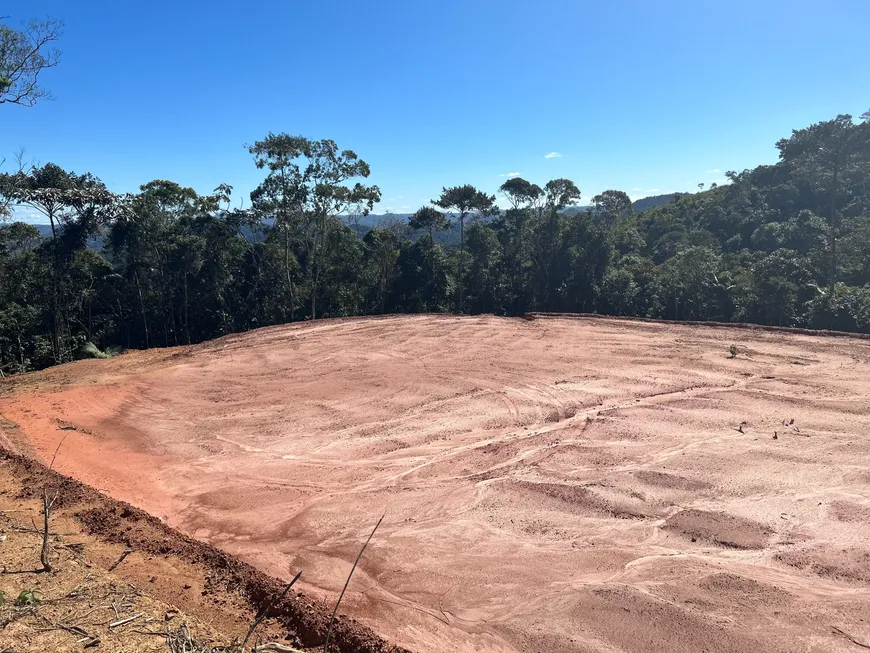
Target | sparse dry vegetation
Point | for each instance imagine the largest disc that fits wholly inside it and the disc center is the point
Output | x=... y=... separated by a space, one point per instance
x=63 y=589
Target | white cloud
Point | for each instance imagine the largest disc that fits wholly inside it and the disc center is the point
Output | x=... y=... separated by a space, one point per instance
x=652 y=190
x=553 y=155
x=713 y=171
x=27 y=214
x=637 y=189
x=511 y=174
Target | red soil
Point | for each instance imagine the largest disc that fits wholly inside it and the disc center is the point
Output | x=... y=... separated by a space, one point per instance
x=555 y=484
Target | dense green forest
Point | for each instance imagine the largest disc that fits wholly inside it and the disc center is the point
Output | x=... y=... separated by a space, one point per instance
x=784 y=244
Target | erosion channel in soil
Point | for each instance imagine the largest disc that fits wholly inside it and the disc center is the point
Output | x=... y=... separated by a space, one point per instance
x=553 y=484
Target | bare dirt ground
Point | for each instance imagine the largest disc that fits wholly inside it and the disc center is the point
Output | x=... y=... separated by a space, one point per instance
x=549 y=485
x=79 y=604
x=121 y=580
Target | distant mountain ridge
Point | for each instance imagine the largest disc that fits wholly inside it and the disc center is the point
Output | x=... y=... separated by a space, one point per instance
x=374 y=219
x=363 y=223
x=653 y=201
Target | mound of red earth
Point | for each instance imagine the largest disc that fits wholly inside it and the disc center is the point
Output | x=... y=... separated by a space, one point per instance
x=549 y=485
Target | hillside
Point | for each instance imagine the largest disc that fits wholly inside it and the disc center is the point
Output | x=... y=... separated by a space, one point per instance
x=653 y=201
x=786 y=245
x=550 y=484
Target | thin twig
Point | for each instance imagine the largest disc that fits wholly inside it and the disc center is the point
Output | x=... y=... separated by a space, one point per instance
x=275 y=599
x=120 y=560
x=76 y=630
x=347 y=582
x=80 y=617
x=55 y=452
x=46 y=509
x=850 y=638
x=121 y=622
x=24 y=529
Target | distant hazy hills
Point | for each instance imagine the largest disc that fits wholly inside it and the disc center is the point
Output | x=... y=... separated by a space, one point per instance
x=448 y=238
x=642 y=204
x=652 y=201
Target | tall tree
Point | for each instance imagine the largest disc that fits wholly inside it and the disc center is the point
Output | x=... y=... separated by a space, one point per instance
x=521 y=193
x=611 y=205
x=306 y=190
x=382 y=246
x=77 y=206
x=24 y=54
x=465 y=200
x=22 y=294
x=547 y=244
x=151 y=237
x=513 y=230
x=831 y=158
x=42 y=189
x=430 y=220
x=484 y=292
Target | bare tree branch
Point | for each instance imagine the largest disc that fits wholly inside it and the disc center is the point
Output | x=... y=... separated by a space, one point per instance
x=347 y=582
x=275 y=599
x=24 y=54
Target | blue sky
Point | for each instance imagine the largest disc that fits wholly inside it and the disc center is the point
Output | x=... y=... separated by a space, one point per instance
x=641 y=96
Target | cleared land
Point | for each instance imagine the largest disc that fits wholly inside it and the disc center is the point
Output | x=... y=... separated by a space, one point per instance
x=550 y=485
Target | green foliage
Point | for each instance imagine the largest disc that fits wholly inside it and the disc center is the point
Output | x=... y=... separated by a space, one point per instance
x=89 y=350
x=829 y=162
x=847 y=310
x=484 y=279
x=465 y=200
x=24 y=54
x=429 y=220
x=611 y=205
x=520 y=192
x=31 y=597
x=732 y=350
x=305 y=190
x=167 y=266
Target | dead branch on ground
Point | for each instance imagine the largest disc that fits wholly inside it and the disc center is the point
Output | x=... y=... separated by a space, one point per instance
x=126 y=620
x=181 y=641
x=850 y=638
x=46 y=511
x=262 y=615
x=51 y=466
x=120 y=560
x=347 y=582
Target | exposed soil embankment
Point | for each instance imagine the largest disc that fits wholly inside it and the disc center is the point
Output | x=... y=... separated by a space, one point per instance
x=206 y=582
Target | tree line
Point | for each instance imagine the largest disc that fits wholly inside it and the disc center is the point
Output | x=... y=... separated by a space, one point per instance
x=784 y=244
